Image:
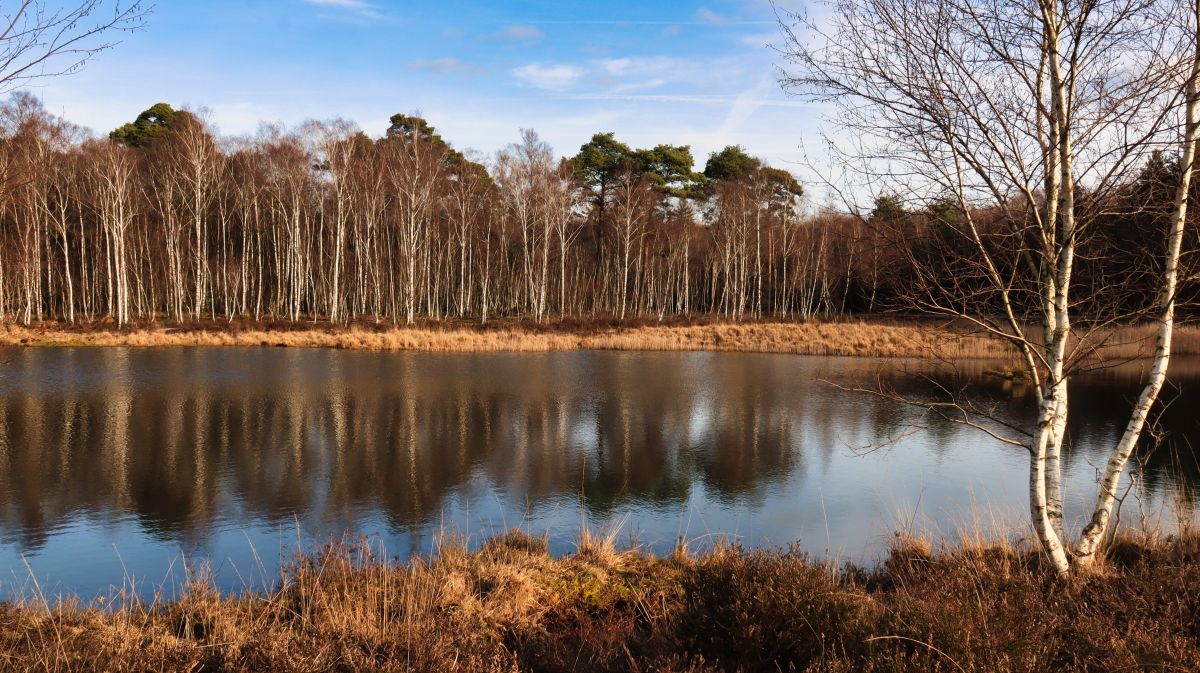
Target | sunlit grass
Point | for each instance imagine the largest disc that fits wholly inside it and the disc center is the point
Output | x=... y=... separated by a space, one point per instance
x=986 y=602
x=811 y=338
x=875 y=338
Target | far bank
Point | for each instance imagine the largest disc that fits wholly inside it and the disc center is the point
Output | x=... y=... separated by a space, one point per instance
x=857 y=338
x=861 y=338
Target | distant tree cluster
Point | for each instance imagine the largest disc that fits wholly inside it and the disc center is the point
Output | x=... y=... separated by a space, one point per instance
x=162 y=220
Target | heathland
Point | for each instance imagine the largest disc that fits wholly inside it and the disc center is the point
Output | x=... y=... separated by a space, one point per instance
x=510 y=606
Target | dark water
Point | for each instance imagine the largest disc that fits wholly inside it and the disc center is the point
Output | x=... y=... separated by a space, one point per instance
x=117 y=465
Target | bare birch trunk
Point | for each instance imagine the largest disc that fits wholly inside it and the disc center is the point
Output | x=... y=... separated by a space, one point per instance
x=1094 y=533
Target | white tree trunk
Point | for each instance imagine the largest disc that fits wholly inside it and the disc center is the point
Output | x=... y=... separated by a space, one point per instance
x=1094 y=533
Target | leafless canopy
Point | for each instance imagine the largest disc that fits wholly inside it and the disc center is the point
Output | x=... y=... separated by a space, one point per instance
x=44 y=39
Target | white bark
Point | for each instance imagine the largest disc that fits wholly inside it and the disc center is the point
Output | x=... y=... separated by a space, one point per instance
x=1094 y=533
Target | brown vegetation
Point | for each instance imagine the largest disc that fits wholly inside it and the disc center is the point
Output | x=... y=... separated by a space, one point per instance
x=511 y=606
x=814 y=338
x=846 y=338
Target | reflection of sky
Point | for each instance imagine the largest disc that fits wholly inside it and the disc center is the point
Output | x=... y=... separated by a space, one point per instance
x=122 y=464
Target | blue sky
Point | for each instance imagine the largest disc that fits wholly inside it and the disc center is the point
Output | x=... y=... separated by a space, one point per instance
x=697 y=73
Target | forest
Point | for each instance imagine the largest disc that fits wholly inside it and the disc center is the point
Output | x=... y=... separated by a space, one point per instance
x=161 y=219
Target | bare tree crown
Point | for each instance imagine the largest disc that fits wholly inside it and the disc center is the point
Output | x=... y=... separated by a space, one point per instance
x=40 y=39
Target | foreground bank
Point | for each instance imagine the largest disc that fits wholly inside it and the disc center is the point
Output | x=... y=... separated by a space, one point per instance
x=845 y=338
x=511 y=606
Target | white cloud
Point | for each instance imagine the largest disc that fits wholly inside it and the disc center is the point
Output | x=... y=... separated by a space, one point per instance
x=709 y=16
x=550 y=77
x=440 y=65
x=518 y=33
x=616 y=66
x=638 y=73
x=644 y=67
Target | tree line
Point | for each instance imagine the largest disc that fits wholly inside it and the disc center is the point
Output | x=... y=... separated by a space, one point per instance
x=162 y=219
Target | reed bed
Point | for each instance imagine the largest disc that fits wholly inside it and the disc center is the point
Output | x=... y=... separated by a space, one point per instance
x=510 y=606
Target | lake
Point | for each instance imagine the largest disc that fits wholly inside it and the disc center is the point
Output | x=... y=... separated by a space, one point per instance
x=118 y=465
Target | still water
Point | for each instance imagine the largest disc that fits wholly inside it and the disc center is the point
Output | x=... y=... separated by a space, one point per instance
x=120 y=465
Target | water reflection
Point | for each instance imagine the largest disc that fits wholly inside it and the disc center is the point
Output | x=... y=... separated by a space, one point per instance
x=172 y=449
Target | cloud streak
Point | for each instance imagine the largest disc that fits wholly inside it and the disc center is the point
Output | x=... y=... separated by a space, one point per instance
x=549 y=77
x=710 y=17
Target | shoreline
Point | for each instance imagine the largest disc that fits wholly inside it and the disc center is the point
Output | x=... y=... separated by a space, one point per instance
x=847 y=338
x=511 y=606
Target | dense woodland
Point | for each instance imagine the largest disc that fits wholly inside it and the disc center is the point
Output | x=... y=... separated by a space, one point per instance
x=162 y=220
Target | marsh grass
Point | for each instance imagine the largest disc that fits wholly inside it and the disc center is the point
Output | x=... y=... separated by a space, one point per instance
x=508 y=605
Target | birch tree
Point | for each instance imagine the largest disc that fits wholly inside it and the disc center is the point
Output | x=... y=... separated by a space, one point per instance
x=417 y=167
x=112 y=185
x=1098 y=525
x=525 y=172
x=1024 y=108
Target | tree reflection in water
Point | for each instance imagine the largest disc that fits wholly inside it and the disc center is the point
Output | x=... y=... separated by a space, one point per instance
x=189 y=442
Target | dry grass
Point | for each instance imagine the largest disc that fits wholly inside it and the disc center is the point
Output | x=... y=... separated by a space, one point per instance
x=510 y=606
x=876 y=338
x=811 y=338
